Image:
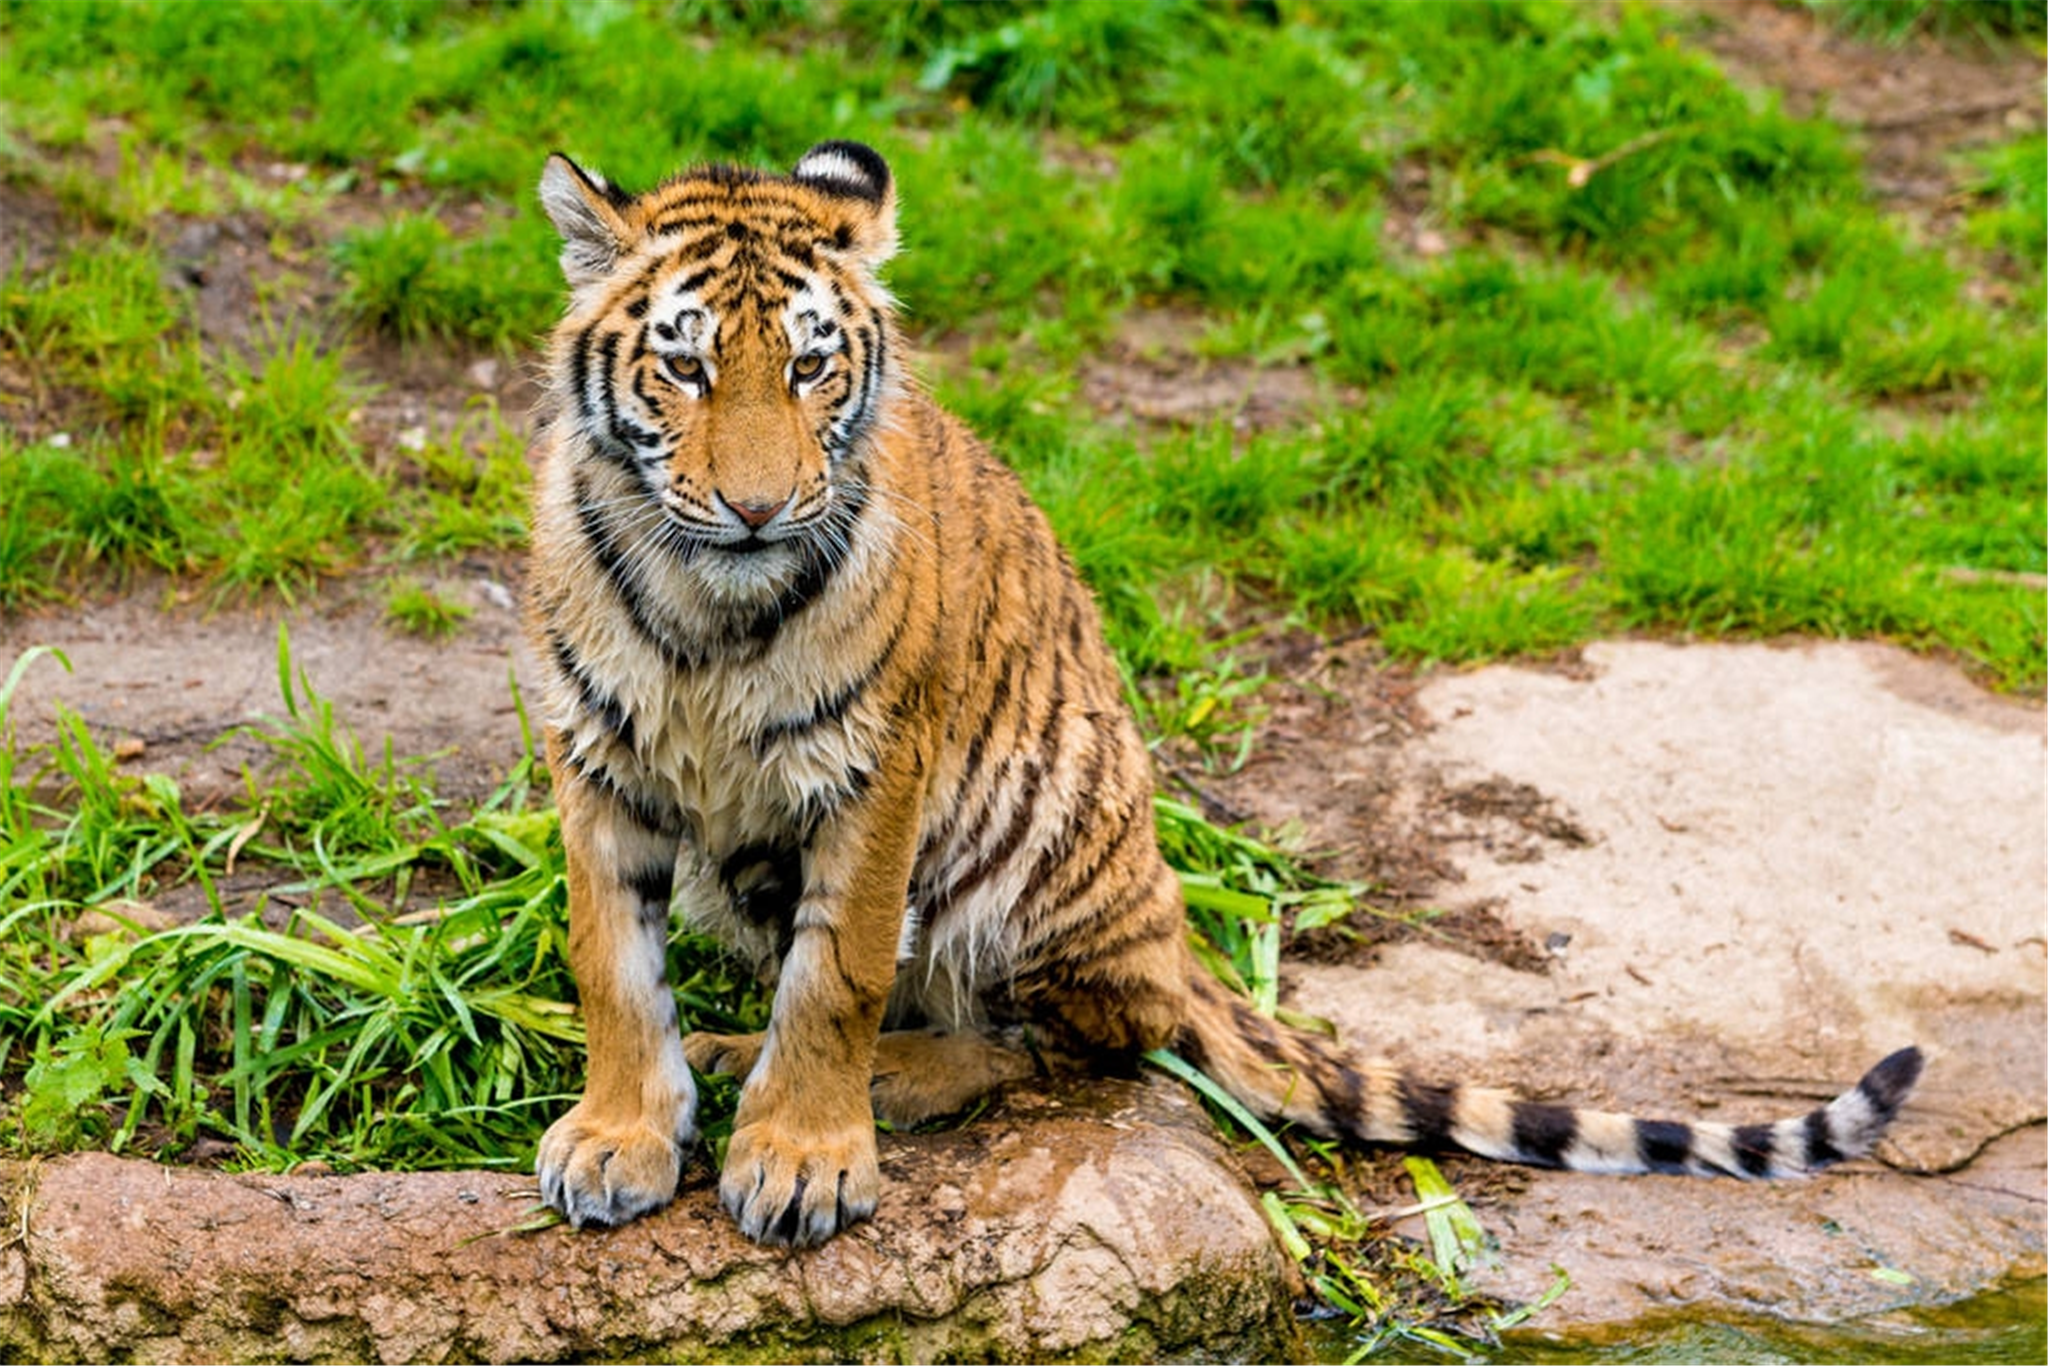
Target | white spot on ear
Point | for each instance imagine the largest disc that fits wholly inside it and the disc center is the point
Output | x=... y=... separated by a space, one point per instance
x=828 y=164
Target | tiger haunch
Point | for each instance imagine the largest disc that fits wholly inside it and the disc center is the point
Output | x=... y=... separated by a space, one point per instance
x=818 y=672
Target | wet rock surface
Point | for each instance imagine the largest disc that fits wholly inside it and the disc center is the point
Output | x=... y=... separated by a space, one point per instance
x=1784 y=862
x=1108 y=1227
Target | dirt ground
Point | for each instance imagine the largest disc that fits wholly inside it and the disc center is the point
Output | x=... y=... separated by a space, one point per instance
x=1912 y=104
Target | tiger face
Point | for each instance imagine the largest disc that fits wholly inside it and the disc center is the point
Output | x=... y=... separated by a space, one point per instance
x=728 y=349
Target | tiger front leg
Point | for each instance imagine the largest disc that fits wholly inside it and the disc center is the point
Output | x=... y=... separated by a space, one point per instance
x=801 y=1164
x=617 y=1154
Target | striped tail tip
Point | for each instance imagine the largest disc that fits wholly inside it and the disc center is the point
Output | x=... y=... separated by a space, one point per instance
x=1847 y=1126
x=1497 y=1125
x=1859 y=1115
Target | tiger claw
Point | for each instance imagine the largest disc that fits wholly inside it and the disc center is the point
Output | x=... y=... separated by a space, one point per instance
x=786 y=1195
x=607 y=1175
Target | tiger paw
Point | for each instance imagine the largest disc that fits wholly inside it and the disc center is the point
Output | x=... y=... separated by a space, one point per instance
x=797 y=1191
x=595 y=1172
x=731 y=1055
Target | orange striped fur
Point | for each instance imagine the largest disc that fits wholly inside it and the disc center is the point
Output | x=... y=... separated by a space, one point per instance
x=819 y=673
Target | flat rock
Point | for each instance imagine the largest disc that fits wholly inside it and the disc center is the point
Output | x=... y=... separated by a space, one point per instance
x=1786 y=862
x=1108 y=1228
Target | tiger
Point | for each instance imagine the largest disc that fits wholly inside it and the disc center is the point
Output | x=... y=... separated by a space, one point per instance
x=819 y=677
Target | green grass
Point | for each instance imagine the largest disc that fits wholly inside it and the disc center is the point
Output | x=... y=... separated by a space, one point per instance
x=1654 y=285
x=1602 y=342
x=418 y=610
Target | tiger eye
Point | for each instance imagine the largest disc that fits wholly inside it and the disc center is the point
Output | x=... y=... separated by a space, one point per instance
x=685 y=369
x=807 y=367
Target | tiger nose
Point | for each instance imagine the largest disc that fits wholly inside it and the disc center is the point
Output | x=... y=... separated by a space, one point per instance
x=755 y=513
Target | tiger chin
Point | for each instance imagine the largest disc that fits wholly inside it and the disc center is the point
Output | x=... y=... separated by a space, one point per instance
x=819 y=675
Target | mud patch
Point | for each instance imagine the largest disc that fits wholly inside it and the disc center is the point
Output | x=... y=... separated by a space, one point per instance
x=250 y=282
x=35 y=228
x=1915 y=104
x=1152 y=375
x=184 y=687
x=1334 y=774
x=419 y=394
x=1533 y=819
x=236 y=283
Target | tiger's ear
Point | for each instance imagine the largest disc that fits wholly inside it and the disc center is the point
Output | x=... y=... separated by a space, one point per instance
x=855 y=176
x=585 y=209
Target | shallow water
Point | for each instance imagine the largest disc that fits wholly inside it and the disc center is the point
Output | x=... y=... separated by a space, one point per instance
x=2005 y=1326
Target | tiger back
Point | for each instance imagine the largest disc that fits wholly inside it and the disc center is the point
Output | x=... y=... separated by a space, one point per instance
x=819 y=674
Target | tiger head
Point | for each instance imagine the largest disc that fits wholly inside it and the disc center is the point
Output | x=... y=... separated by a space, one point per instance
x=729 y=345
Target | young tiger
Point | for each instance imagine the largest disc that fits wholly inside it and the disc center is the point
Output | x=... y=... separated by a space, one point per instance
x=817 y=669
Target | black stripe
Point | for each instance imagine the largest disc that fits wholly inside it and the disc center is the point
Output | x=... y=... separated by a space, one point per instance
x=626 y=439
x=1046 y=944
x=1055 y=707
x=653 y=883
x=1343 y=1103
x=579 y=375
x=826 y=710
x=1753 y=1145
x=612 y=563
x=648 y=811
x=1079 y=961
x=1111 y=752
x=682 y=222
x=711 y=225
x=1886 y=1085
x=1107 y=857
x=676 y=203
x=999 y=699
x=998 y=854
x=640 y=392
x=1543 y=1133
x=694 y=281
x=1078 y=816
x=869 y=179
x=820 y=804
x=1820 y=1142
x=872 y=359
x=1663 y=1146
x=764 y=881
x=596 y=699
x=637 y=308
x=1427 y=1109
x=970 y=822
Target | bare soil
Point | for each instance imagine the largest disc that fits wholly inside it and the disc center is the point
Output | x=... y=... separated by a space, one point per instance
x=1913 y=104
